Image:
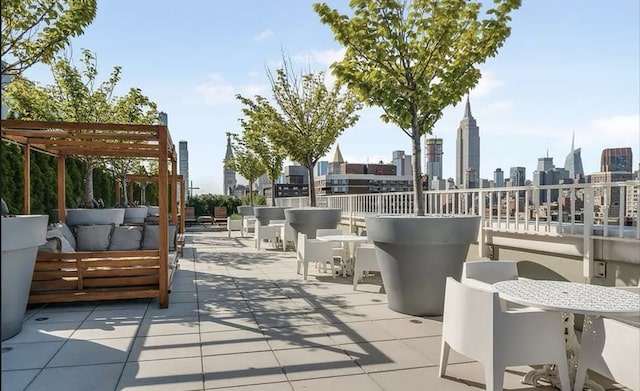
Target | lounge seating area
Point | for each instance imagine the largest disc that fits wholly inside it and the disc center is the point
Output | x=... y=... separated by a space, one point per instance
x=241 y=317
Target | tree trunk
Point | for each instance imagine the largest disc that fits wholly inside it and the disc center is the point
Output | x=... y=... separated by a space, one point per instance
x=312 y=187
x=125 y=197
x=273 y=192
x=418 y=199
x=88 y=184
x=251 y=193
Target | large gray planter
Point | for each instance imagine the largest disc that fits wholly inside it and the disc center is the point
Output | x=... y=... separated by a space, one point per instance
x=264 y=214
x=307 y=220
x=417 y=253
x=93 y=216
x=245 y=210
x=21 y=236
x=135 y=215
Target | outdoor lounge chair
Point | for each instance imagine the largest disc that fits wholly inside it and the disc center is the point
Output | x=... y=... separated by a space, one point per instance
x=220 y=215
x=475 y=325
x=190 y=215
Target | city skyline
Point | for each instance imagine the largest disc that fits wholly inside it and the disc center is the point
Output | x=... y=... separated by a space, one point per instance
x=575 y=74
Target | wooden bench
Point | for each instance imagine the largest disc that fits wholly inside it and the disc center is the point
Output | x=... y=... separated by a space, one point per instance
x=190 y=215
x=220 y=214
x=180 y=240
x=105 y=275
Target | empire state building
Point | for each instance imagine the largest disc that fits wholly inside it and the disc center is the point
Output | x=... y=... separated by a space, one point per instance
x=468 y=151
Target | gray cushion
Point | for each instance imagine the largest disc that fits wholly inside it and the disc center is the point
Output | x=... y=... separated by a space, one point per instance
x=93 y=237
x=65 y=246
x=64 y=228
x=126 y=238
x=150 y=237
x=52 y=245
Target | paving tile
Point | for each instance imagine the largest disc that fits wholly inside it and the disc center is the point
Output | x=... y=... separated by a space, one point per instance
x=169 y=326
x=92 y=329
x=430 y=347
x=241 y=369
x=309 y=363
x=44 y=316
x=44 y=332
x=182 y=297
x=341 y=383
x=117 y=315
x=17 y=380
x=238 y=341
x=410 y=327
x=281 y=386
x=473 y=375
x=86 y=377
x=283 y=319
x=356 y=332
x=165 y=347
x=297 y=337
x=100 y=351
x=418 y=379
x=174 y=310
x=223 y=307
x=385 y=356
x=28 y=355
x=228 y=322
x=180 y=374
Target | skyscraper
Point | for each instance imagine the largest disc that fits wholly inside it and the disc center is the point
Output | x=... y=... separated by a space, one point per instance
x=229 y=176
x=616 y=159
x=183 y=166
x=573 y=162
x=433 y=154
x=468 y=151
x=402 y=161
x=498 y=178
x=334 y=166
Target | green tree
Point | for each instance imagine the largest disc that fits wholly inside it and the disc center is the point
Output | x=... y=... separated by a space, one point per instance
x=245 y=162
x=256 y=129
x=35 y=30
x=75 y=96
x=413 y=58
x=306 y=118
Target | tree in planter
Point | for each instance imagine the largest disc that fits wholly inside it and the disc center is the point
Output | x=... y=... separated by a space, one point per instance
x=306 y=118
x=34 y=31
x=414 y=58
x=245 y=162
x=256 y=129
x=74 y=97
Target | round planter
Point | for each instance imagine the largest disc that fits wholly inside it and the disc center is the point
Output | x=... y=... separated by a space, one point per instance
x=264 y=214
x=245 y=210
x=21 y=236
x=308 y=220
x=417 y=253
x=94 y=216
x=135 y=215
x=153 y=211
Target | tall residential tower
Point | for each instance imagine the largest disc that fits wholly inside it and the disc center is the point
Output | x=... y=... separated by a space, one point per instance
x=433 y=154
x=468 y=151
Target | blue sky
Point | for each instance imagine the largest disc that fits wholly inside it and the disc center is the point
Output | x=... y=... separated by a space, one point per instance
x=568 y=66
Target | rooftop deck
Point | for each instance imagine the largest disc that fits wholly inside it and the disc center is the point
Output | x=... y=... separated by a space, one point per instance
x=239 y=319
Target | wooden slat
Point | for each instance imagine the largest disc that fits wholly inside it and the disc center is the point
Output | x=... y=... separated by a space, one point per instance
x=120 y=282
x=38 y=276
x=87 y=295
x=118 y=263
x=99 y=254
x=81 y=126
x=54 y=285
x=120 y=272
x=53 y=265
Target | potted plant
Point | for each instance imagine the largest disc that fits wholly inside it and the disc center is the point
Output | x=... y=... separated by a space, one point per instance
x=21 y=236
x=413 y=59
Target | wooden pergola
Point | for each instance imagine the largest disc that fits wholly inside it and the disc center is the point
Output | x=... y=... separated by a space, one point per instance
x=66 y=139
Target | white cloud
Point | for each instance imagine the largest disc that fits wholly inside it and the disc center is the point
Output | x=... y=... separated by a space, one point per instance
x=323 y=58
x=263 y=35
x=613 y=131
x=487 y=84
x=215 y=91
x=250 y=90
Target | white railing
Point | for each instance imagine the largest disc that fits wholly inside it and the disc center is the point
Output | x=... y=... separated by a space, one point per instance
x=593 y=211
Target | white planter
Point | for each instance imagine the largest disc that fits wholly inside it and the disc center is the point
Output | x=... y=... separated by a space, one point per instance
x=21 y=236
x=94 y=216
x=135 y=215
x=417 y=254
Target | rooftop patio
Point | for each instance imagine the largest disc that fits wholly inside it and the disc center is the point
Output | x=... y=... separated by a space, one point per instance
x=239 y=319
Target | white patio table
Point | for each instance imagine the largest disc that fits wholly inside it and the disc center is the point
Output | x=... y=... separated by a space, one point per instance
x=569 y=298
x=349 y=240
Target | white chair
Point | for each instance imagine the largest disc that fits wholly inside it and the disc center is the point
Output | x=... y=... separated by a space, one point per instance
x=265 y=232
x=475 y=325
x=339 y=248
x=365 y=261
x=482 y=274
x=287 y=234
x=611 y=347
x=313 y=250
x=248 y=225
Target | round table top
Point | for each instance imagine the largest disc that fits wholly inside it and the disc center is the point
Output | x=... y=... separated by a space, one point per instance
x=572 y=297
x=342 y=238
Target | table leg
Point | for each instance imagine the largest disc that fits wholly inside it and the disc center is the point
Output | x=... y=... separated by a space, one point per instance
x=548 y=374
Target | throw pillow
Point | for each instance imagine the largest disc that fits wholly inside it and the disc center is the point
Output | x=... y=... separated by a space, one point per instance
x=93 y=237
x=126 y=238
